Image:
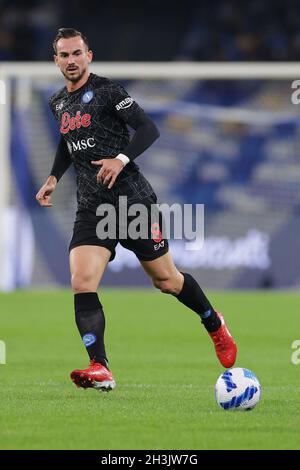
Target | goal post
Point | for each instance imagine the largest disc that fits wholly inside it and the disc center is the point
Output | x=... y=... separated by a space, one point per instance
x=5 y=112
x=211 y=136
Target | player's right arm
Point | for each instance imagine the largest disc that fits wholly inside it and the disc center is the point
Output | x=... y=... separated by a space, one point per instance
x=44 y=195
x=61 y=163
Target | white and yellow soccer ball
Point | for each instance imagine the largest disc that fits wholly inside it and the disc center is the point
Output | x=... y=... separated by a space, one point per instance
x=237 y=389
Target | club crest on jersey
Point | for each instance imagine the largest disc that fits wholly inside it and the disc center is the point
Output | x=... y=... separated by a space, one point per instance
x=124 y=104
x=87 y=97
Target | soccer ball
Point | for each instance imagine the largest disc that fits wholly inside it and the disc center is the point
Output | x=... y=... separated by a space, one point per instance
x=237 y=389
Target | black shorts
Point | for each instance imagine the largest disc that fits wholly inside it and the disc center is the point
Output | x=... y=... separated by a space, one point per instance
x=146 y=249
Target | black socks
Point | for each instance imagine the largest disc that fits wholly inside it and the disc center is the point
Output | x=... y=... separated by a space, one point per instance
x=194 y=298
x=90 y=318
x=90 y=321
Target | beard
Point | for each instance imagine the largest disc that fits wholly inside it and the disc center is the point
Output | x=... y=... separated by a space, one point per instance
x=74 y=78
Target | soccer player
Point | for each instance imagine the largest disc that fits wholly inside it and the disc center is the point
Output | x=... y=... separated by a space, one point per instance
x=93 y=114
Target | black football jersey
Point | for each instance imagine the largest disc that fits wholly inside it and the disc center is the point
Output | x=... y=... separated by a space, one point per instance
x=93 y=122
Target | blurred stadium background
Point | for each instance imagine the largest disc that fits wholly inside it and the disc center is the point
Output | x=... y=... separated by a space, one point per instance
x=227 y=142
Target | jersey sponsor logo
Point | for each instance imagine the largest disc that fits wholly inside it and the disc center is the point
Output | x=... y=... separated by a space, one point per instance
x=69 y=123
x=87 y=97
x=82 y=144
x=124 y=104
x=59 y=106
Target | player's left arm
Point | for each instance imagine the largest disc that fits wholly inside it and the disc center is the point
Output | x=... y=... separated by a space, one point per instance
x=145 y=134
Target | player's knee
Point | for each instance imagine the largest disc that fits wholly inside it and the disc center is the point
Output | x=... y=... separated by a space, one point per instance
x=167 y=285
x=82 y=282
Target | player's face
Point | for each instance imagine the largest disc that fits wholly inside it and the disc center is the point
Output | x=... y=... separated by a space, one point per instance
x=72 y=58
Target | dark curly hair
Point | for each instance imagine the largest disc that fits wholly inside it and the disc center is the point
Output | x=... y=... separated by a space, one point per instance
x=68 y=33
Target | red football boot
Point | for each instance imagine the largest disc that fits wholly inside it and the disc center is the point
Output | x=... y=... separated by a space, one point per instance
x=95 y=376
x=225 y=346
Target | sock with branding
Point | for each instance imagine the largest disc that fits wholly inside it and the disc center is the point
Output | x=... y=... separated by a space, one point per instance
x=90 y=322
x=193 y=297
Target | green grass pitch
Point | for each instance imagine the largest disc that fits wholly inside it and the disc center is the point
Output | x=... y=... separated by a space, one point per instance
x=165 y=368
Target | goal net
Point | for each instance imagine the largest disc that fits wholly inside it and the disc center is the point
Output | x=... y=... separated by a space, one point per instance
x=229 y=140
